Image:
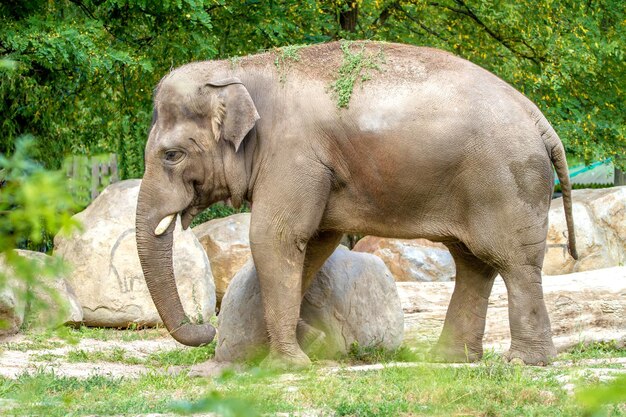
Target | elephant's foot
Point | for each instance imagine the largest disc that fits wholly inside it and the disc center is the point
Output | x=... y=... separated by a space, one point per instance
x=533 y=354
x=291 y=361
x=310 y=339
x=443 y=352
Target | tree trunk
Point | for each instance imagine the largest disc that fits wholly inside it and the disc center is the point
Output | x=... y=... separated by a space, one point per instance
x=348 y=17
x=583 y=307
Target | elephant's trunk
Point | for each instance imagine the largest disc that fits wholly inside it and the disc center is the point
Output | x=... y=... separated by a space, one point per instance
x=155 y=254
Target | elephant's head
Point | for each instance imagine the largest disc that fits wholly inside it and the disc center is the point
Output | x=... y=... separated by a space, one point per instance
x=196 y=127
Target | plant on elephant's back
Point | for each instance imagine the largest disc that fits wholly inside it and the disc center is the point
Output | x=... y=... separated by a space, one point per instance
x=356 y=67
x=285 y=56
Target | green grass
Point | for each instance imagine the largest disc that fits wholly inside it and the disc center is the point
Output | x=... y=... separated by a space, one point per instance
x=596 y=350
x=183 y=356
x=426 y=389
x=489 y=388
x=103 y=333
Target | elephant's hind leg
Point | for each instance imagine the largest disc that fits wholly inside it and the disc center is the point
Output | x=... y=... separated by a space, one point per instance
x=461 y=339
x=531 y=334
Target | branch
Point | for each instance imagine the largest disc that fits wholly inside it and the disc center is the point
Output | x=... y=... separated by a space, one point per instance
x=90 y=14
x=466 y=11
x=422 y=25
x=385 y=13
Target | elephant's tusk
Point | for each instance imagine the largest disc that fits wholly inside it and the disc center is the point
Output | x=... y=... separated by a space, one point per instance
x=164 y=224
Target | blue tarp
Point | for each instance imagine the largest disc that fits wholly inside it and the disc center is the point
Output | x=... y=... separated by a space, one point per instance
x=600 y=172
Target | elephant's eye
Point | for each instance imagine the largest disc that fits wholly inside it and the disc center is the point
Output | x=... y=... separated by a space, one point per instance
x=173 y=156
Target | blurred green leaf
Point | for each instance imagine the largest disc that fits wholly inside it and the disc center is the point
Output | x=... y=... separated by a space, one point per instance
x=595 y=398
x=34 y=204
x=216 y=403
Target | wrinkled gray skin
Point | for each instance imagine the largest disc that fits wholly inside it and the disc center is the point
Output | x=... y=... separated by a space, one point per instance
x=431 y=146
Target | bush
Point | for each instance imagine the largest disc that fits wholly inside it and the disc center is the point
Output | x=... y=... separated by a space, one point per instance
x=34 y=205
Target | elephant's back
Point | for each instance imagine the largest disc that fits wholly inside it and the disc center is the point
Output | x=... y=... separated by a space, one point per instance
x=329 y=62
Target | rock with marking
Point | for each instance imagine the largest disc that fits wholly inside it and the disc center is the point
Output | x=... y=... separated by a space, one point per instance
x=353 y=299
x=107 y=276
x=600 y=224
x=227 y=244
x=411 y=259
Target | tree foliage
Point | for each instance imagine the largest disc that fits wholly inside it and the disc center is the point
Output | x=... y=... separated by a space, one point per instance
x=34 y=204
x=85 y=69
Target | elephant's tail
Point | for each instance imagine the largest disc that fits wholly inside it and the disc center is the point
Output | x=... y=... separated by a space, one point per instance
x=557 y=156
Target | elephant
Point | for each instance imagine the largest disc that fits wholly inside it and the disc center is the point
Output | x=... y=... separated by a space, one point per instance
x=361 y=137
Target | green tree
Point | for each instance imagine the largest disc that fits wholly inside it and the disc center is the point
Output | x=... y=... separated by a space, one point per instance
x=85 y=69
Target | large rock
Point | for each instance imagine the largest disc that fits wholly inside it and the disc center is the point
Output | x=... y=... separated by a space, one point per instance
x=583 y=307
x=600 y=223
x=107 y=276
x=352 y=299
x=411 y=259
x=55 y=301
x=227 y=244
x=12 y=303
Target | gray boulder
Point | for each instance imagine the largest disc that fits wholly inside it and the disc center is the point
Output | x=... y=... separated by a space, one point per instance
x=353 y=299
x=56 y=302
x=107 y=276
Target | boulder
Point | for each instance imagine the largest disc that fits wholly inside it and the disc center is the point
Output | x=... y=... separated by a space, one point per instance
x=55 y=300
x=353 y=299
x=227 y=244
x=600 y=223
x=583 y=307
x=59 y=302
x=107 y=276
x=411 y=259
x=12 y=303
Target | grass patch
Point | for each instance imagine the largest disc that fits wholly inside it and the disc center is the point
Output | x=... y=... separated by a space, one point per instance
x=129 y=334
x=47 y=357
x=357 y=66
x=182 y=357
x=374 y=354
x=51 y=395
x=40 y=341
x=234 y=62
x=285 y=57
x=116 y=355
x=596 y=350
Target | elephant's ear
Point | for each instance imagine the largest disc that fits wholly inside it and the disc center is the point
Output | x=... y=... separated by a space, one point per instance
x=234 y=113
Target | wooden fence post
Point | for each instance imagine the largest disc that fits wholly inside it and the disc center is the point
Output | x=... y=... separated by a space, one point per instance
x=620 y=177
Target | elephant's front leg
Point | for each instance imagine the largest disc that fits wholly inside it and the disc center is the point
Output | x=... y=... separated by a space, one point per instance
x=279 y=235
x=279 y=268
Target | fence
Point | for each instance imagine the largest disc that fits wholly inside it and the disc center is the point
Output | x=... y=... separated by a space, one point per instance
x=90 y=175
